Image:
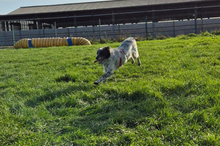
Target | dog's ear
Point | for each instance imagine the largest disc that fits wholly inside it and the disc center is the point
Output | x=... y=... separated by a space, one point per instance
x=107 y=47
x=107 y=50
x=100 y=49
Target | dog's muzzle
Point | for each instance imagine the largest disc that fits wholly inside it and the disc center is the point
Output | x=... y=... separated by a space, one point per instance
x=99 y=60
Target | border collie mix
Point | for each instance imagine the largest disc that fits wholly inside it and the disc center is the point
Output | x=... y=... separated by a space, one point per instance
x=112 y=59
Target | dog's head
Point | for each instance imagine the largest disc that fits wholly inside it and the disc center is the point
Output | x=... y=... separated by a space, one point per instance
x=102 y=54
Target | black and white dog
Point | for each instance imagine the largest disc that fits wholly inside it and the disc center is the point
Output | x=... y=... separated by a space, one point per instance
x=112 y=59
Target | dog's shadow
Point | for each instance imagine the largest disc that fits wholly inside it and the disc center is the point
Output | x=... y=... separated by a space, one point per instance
x=50 y=96
x=106 y=109
x=126 y=109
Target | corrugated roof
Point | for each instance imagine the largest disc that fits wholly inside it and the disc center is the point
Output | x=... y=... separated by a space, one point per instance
x=93 y=6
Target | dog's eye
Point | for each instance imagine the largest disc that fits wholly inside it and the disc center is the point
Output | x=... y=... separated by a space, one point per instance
x=99 y=52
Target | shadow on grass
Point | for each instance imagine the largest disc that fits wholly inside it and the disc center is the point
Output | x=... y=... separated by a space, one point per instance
x=57 y=94
x=105 y=110
x=127 y=109
x=67 y=78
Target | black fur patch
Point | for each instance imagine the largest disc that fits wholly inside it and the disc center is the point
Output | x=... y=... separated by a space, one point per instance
x=104 y=53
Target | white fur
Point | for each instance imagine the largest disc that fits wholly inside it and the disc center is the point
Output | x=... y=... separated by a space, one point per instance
x=127 y=50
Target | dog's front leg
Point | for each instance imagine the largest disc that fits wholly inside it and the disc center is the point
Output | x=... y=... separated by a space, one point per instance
x=103 y=78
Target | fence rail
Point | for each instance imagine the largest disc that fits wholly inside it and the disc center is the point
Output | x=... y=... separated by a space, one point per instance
x=166 y=28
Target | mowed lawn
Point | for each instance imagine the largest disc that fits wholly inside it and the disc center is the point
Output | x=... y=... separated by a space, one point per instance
x=47 y=96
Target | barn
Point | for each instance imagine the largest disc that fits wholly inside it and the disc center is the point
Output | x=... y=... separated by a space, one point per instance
x=106 y=13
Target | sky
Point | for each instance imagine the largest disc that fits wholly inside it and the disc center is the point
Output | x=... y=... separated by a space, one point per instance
x=7 y=6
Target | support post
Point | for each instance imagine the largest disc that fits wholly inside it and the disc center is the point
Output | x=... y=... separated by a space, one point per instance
x=113 y=23
x=202 y=25
x=146 y=27
x=20 y=34
x=3 y=26
x=13 y=34
x=40 y=25
x=100 y=36
x=153 y=22
x=174 y=29
x=43 y=31
x=7 y=26
x=68 y=31
x=202 y=21
x=1 y=41
x=196 y=21
x=93 y=30
x=75 y=21
x=55 y=29
x=93 y=27
x=37 y=23
x=119 y=30
x=75 y=26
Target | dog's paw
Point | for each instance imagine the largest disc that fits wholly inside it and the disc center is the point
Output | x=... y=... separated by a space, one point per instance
x=96 y=83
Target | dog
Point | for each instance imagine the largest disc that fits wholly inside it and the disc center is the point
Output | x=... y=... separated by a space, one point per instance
x=112 y=59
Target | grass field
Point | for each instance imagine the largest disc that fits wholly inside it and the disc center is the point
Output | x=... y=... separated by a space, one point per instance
x=47 y=96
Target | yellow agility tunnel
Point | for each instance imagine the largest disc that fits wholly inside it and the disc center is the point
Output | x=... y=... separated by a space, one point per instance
x=50 y=42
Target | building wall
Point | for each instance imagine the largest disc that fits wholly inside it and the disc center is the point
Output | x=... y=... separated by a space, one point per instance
x=172 y=28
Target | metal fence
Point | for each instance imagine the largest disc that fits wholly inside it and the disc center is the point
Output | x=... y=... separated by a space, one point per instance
x=147 y=29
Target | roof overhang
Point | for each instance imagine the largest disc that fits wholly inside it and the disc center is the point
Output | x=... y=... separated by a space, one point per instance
x=126 y=12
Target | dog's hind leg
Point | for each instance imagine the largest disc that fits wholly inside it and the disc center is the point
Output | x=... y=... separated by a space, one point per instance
x=135 y=55
x=132 y=60
x=139 y=61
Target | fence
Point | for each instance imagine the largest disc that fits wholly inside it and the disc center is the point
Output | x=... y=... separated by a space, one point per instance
x=166 y=28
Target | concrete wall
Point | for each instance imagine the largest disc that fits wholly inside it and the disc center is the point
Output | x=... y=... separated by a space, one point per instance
x=153 y=29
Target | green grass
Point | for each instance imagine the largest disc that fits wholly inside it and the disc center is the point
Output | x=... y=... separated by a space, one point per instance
x=47 y=96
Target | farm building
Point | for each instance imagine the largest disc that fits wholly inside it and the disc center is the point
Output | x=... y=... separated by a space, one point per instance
x=109 y=13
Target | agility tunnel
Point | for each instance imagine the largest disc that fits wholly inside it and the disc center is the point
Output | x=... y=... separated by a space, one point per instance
x=50 y=42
